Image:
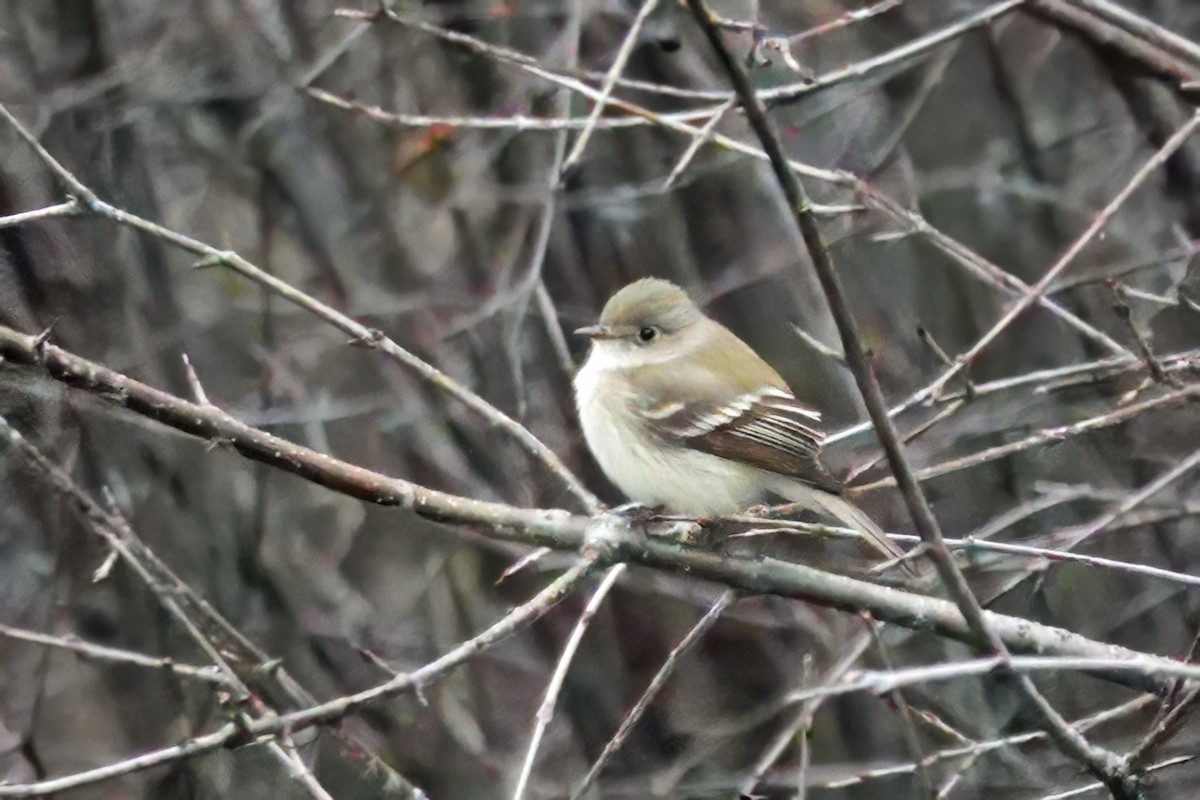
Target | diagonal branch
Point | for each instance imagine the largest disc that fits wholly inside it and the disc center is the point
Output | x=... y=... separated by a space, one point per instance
x=87 y=202
x=545 y=712
x=1067 y=258
x=1103 y=764
x=610 y=81
x=975 y=264
x=560 y=529
x=1133 y=38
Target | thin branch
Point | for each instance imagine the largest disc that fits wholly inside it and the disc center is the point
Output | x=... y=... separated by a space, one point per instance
x=239 y=663
x=1166 y=727
x=698 y=141
x=237 y=699
x=299 y=771
x=911 y=740
x=1049 y=435
x=886 y=681
x=361 y=334
x=906 y=52
x=554 y=332
x=1103 y=764
x=1098 y=787
x=98 y=652
x=1038 y=289
x=66 y=209
x=976 y=265
x=1136 y=499
x=910 y=51
x=551 y=527
x=974 y=750
x=245 y=732
x=516 y=123
x=1152 y=32
x=1134 y=41
x=545 y=711
x=976 y=543
x=820 y=347
x=533 y=279
x=1153 y=365
x=166 y=755
x=1044 y=380
x=845 y=19
x=801 y=725
x=606 y=88
x=214 y=425
x=652 y=689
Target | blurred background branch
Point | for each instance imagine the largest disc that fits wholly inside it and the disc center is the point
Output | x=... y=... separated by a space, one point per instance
x=1008 y=191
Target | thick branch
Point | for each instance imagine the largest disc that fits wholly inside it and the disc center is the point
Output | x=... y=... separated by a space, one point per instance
x=1103 y=764
x=560 y=529
x=1135 y=40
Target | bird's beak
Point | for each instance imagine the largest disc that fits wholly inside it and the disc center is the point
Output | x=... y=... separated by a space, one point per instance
x=595 y=332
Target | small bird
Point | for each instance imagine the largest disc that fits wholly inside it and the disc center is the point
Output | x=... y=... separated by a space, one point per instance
x=681 y=413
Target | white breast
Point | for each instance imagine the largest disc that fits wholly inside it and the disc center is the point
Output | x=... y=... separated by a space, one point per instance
x=647 y=471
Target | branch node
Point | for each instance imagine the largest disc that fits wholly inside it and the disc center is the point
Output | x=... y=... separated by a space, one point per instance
x=270 y=666
x=219 y=258
x=371 y=339
x=39 y=341
x=606 y=537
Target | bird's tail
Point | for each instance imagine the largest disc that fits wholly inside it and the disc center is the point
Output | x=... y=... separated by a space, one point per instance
x=854 y=517
x=850 y=515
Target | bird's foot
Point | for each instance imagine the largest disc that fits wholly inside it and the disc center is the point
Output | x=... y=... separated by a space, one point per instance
x=774 y=510
x=637 y=511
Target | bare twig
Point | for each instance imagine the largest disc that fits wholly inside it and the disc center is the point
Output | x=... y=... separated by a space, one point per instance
x=975 y=264
x=1143 y=347
x=1135 y=499
x=66 y=209
x=885 y=681
x=1099 y=787
x=99 y=652
x=1102 y=763
x=911 y=741
x=550 y=527
x=1044 y=381
x=363 y=335
x=517 y=123
x=652 y=689
x=274 y=726
x=906 y=52
x=195 y=746
x=702 y=136
x=975 y=750
x=846 y=19
x=236 y=696
x=533 y=281
x=1136 y=39
x=545 y=711
x=554 y=332
x=1163 y=730
x=610 y=80
x=802 y=723
x=975 y=543
x=816 y=344
x=1056 y=433
x=1038 y=289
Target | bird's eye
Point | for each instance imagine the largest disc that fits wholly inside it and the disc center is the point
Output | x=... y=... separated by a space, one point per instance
x=647 y=333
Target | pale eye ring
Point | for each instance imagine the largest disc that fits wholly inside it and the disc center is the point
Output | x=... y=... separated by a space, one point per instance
x=647 y=333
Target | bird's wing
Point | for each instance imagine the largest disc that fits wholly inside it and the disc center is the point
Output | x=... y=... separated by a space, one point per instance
x=767 y=428
x=728 y=402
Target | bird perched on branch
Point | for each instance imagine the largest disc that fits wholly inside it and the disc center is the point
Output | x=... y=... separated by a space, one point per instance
x=681 y=413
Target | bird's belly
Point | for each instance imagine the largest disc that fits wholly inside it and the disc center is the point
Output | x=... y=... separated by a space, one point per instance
x=684 y=481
